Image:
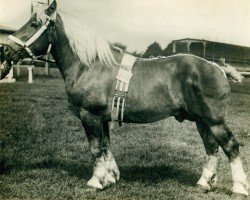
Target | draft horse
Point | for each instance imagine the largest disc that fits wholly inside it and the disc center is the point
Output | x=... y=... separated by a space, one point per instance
x=184 y=86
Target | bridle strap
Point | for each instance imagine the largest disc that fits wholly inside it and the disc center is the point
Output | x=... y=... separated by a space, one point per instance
x=38 y=34
x=26 y=44
x=16 y=40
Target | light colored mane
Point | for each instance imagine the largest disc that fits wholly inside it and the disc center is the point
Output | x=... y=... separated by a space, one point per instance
x=85 y=42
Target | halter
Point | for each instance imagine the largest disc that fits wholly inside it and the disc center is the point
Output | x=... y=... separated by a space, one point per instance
x=25 y=45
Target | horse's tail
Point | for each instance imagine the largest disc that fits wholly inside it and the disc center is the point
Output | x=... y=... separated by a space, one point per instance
x=232 y=74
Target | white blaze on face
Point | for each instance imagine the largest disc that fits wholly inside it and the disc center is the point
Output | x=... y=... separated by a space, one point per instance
x=240 y=184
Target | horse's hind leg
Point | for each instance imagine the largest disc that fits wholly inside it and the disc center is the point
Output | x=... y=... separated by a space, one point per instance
x=230 y=147
x=208 y=178
x=105 y=170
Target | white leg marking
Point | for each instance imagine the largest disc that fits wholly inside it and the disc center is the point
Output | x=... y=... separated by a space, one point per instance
x=208 y=174
x=239 y=177
x=95 y=182
x=98 y=179
x=112 y=168
x=100 y=169
x=105 y=171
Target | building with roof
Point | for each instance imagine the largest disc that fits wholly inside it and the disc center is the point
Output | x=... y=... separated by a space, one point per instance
x=210 y=50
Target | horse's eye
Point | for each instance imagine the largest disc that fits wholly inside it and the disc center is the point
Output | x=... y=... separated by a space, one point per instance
x=34 y=24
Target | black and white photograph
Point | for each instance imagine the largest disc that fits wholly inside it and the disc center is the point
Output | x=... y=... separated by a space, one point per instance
x=124 y=99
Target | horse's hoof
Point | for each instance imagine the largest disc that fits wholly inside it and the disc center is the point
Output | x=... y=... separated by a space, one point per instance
x=111 y=179
x=203 y=189
x=213 y=181
x=237 y=196
x=92 y=189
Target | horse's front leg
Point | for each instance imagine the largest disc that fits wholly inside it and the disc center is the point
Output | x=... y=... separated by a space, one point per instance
x=105 y=170
x=111 y=166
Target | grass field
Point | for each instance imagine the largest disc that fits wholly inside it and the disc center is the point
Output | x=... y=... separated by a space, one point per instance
x=45 y=155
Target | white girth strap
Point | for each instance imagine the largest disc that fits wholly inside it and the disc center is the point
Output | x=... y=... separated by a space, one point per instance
x=122 y=84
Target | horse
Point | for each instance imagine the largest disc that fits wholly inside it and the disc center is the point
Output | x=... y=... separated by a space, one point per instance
x=184 y=86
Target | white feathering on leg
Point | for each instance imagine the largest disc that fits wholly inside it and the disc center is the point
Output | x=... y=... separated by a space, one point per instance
x=208 y=173
x=240 y=184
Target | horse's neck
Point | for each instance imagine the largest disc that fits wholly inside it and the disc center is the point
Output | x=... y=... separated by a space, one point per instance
x=68 y=63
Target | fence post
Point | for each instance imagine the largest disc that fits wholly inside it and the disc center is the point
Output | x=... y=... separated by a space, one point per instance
x=30 y=69
x=47 y=69
x=18 y=71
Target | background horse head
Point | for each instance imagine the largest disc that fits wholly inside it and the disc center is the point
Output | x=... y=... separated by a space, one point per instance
x=183 y=86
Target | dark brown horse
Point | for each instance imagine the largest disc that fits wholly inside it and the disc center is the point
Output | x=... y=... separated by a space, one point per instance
x=184 y=86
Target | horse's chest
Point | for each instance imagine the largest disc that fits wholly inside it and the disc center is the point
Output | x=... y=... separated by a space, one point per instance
x=87 y=96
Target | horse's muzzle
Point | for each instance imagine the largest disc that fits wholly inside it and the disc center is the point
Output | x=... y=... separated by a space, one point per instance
x=5 y=63
x=4 y=69
x=6 y=51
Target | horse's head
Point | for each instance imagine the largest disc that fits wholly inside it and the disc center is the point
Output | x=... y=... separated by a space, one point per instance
x=33 y=38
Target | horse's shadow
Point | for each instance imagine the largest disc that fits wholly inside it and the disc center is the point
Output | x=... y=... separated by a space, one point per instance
x=157 y=174
x=145 y=174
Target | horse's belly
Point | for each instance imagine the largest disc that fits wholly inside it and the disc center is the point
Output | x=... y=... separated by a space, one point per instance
x=136 y=112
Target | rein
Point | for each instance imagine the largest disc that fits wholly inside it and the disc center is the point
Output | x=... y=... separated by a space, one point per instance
x=25 y=45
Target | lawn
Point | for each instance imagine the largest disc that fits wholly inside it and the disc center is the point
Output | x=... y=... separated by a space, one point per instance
x=45 y=155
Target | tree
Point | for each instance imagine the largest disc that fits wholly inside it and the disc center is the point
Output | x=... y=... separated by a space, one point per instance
x=168 y=50
x=153 y=49
x=136 y=54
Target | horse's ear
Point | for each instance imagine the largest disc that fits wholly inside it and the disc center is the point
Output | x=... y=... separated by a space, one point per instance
x=51 y=9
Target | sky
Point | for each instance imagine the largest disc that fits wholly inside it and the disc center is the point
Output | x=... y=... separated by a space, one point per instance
x=138 y=23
